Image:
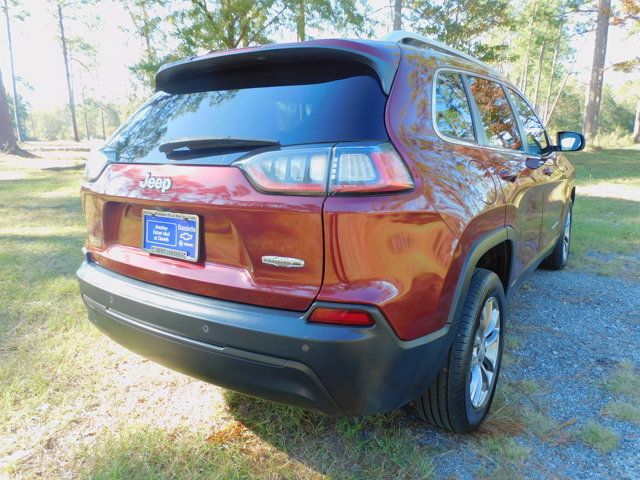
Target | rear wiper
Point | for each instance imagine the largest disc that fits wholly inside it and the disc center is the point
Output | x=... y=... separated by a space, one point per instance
x=198 y=145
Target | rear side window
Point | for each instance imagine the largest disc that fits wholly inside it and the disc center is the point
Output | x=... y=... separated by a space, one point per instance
x=453 y=114
x=290 y=104
x=536 y=139
x=498 y=120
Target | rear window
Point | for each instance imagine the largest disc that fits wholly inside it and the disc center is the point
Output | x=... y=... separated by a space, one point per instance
x=289 y=104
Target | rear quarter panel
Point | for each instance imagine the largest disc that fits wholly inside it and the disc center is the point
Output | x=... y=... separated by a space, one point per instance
x=455 y=202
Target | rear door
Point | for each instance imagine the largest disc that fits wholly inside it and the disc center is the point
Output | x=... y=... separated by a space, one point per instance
x=539 y=148
x=175 y=157
x=522 y=186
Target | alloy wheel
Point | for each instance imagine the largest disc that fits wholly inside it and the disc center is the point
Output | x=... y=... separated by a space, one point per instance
x=566 y=237
x=484 y=358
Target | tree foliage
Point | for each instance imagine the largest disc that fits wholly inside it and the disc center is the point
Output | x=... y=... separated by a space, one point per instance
x=533 y=42
x=464 y=25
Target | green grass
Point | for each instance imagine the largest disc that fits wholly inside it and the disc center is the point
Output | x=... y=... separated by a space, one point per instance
x=264 y=440
x=54 y=366
x=605 y=225
x=72 y=403
x=625 y=380
x=625 y=411
x=599 y=437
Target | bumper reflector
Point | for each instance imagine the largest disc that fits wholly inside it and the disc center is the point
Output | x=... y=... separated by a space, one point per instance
x=341 y=317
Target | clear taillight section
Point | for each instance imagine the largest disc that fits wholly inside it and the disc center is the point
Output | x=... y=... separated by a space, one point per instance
x=325 y=170
x=368 y=169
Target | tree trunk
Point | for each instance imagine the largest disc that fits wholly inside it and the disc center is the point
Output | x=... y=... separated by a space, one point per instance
x=525 y=69
x=104 y=134
x=16 y=115
x=554 y=63
x=636 y=124
x=594 y=94
x=7 y=135
x=8 y=141
x=65 y=54
x=562 y=85
x=539 y=75
x=397 y=15
x=84 y=114
x=301 y=22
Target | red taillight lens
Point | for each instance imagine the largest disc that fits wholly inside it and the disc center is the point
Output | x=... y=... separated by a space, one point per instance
x=345 y=169
x=296 y=171
x=338 y=316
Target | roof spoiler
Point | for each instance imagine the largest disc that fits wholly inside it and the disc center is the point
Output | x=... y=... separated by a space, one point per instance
x=381 y=59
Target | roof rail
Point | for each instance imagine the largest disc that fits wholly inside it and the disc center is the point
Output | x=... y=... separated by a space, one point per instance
x=417 y=40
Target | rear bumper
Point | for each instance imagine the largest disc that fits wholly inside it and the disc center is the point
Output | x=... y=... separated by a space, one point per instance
x=268 y=353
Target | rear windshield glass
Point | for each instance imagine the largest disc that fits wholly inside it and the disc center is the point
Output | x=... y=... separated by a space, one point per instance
x=292 y=107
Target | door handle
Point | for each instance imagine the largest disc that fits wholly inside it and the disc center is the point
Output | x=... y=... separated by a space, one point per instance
x=547 y=171
x=508 y=175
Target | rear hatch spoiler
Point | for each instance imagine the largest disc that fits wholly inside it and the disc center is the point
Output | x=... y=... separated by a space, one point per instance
x=382 y=58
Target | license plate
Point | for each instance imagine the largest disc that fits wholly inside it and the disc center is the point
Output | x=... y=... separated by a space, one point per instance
x=171 y=234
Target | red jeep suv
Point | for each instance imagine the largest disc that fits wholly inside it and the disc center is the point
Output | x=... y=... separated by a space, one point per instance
x=334 y=224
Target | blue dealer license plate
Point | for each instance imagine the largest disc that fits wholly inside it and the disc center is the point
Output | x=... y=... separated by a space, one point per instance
x=171 y=234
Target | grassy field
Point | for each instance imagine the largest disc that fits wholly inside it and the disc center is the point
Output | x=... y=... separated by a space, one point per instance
x=73 y=404
x=607 y=212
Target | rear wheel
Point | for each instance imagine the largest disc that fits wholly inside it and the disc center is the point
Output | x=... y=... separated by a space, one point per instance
x=461 y=396
x=557 y=259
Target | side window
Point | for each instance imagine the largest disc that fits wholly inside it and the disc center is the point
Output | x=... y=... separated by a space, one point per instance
x=498 y=120
x=453 y=114
x=536 y=139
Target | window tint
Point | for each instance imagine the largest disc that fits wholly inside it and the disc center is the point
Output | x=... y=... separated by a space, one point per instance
x=453 y=114
x=498 y=120
x=300 y=106
x=536 y=139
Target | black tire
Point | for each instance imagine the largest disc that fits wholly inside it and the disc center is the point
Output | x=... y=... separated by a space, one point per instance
x=447 y=403
x=557 y=259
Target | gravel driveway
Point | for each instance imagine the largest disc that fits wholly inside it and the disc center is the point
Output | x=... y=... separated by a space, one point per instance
x=571 y=330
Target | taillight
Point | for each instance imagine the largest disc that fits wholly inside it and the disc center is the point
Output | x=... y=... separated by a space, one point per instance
x=348 y=169
x=339 y=316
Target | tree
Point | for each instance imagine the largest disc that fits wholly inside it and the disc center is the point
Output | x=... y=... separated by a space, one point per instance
x=22 y=106
x=397 y=15
x=65 y=56
x=147 y=17
x=597 y=70
x=344 y=15
x=636 y=124
x=464 y=24
x=8 y=141
x=630 y=14
x=225 y=24
x=8 y=16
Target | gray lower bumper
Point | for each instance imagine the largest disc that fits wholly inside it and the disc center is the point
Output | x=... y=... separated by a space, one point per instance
x=269 y=353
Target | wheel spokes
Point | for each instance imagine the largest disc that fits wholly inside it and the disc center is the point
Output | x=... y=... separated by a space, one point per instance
x=476 y=385
x=485 y=319
x=485 y=351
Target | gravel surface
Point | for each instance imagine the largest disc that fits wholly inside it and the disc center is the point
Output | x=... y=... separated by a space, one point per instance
x=571 y=331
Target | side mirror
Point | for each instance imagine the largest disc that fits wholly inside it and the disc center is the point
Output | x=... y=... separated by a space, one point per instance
x=570 y=141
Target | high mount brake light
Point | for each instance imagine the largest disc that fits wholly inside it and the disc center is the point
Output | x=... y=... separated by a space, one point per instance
x=323 y=170
x=337 y=316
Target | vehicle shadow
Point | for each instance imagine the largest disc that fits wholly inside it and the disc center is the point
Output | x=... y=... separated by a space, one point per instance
x=387 y=445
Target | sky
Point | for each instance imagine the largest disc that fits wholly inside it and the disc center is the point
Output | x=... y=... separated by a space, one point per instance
x=38 y=56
